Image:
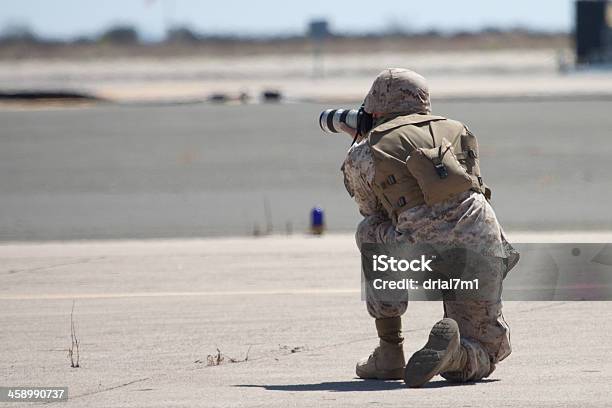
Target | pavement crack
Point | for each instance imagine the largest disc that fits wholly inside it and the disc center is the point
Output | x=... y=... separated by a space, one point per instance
x=547 y=306
x=53 y=266
x=114 y=387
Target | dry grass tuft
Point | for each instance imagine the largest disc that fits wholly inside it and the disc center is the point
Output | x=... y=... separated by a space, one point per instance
x=73 y=351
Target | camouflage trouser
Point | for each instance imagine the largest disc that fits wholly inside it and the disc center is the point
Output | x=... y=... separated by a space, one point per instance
x=484 y=332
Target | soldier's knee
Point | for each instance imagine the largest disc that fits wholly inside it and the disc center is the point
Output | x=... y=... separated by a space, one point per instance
x=360 y=234
x=497 y=343
x=366 y=231
x=375 y=229
x=503 y=346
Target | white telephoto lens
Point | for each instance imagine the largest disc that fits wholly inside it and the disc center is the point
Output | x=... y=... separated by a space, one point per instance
x=351 y=118
x=337 y=120
x=323 y=120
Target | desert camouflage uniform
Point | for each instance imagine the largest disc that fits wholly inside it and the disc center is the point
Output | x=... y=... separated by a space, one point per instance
x=467 y=220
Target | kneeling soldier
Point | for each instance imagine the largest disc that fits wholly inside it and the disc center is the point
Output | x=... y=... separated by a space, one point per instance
x=402 y=203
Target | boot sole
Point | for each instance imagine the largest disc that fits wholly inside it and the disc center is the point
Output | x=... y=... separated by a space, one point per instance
x=426 y=363
x=396 y=374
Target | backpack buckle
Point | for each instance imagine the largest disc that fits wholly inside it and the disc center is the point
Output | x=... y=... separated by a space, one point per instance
x=441 y=170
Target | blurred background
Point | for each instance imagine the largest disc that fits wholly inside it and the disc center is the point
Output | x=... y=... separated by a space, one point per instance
x=181 y=118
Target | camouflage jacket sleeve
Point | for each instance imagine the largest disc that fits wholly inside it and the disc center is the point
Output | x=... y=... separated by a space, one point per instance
x=358 y=169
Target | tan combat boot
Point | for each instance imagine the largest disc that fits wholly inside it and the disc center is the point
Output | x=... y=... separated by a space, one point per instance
x=442 y=353
x=387 y=361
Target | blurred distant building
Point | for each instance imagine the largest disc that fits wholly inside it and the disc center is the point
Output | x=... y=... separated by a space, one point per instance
x=318 y=30
x=593 y=32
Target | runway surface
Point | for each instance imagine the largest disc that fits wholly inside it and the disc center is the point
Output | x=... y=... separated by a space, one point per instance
x=286 y=316
x=209 y=170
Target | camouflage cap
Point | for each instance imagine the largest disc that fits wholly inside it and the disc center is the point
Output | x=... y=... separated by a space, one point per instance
x=398 y=90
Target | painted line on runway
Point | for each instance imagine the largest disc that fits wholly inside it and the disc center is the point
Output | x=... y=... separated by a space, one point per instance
x=61 y=296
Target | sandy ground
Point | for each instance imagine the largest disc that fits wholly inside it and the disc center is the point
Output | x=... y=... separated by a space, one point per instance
x=148 y=313
x=452 y=74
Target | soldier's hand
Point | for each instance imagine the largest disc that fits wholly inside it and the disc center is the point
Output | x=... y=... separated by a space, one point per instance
x=348 y=130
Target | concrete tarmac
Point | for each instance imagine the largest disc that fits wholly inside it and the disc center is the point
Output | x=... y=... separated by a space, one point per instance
x=115 y=172
x=283 y=312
